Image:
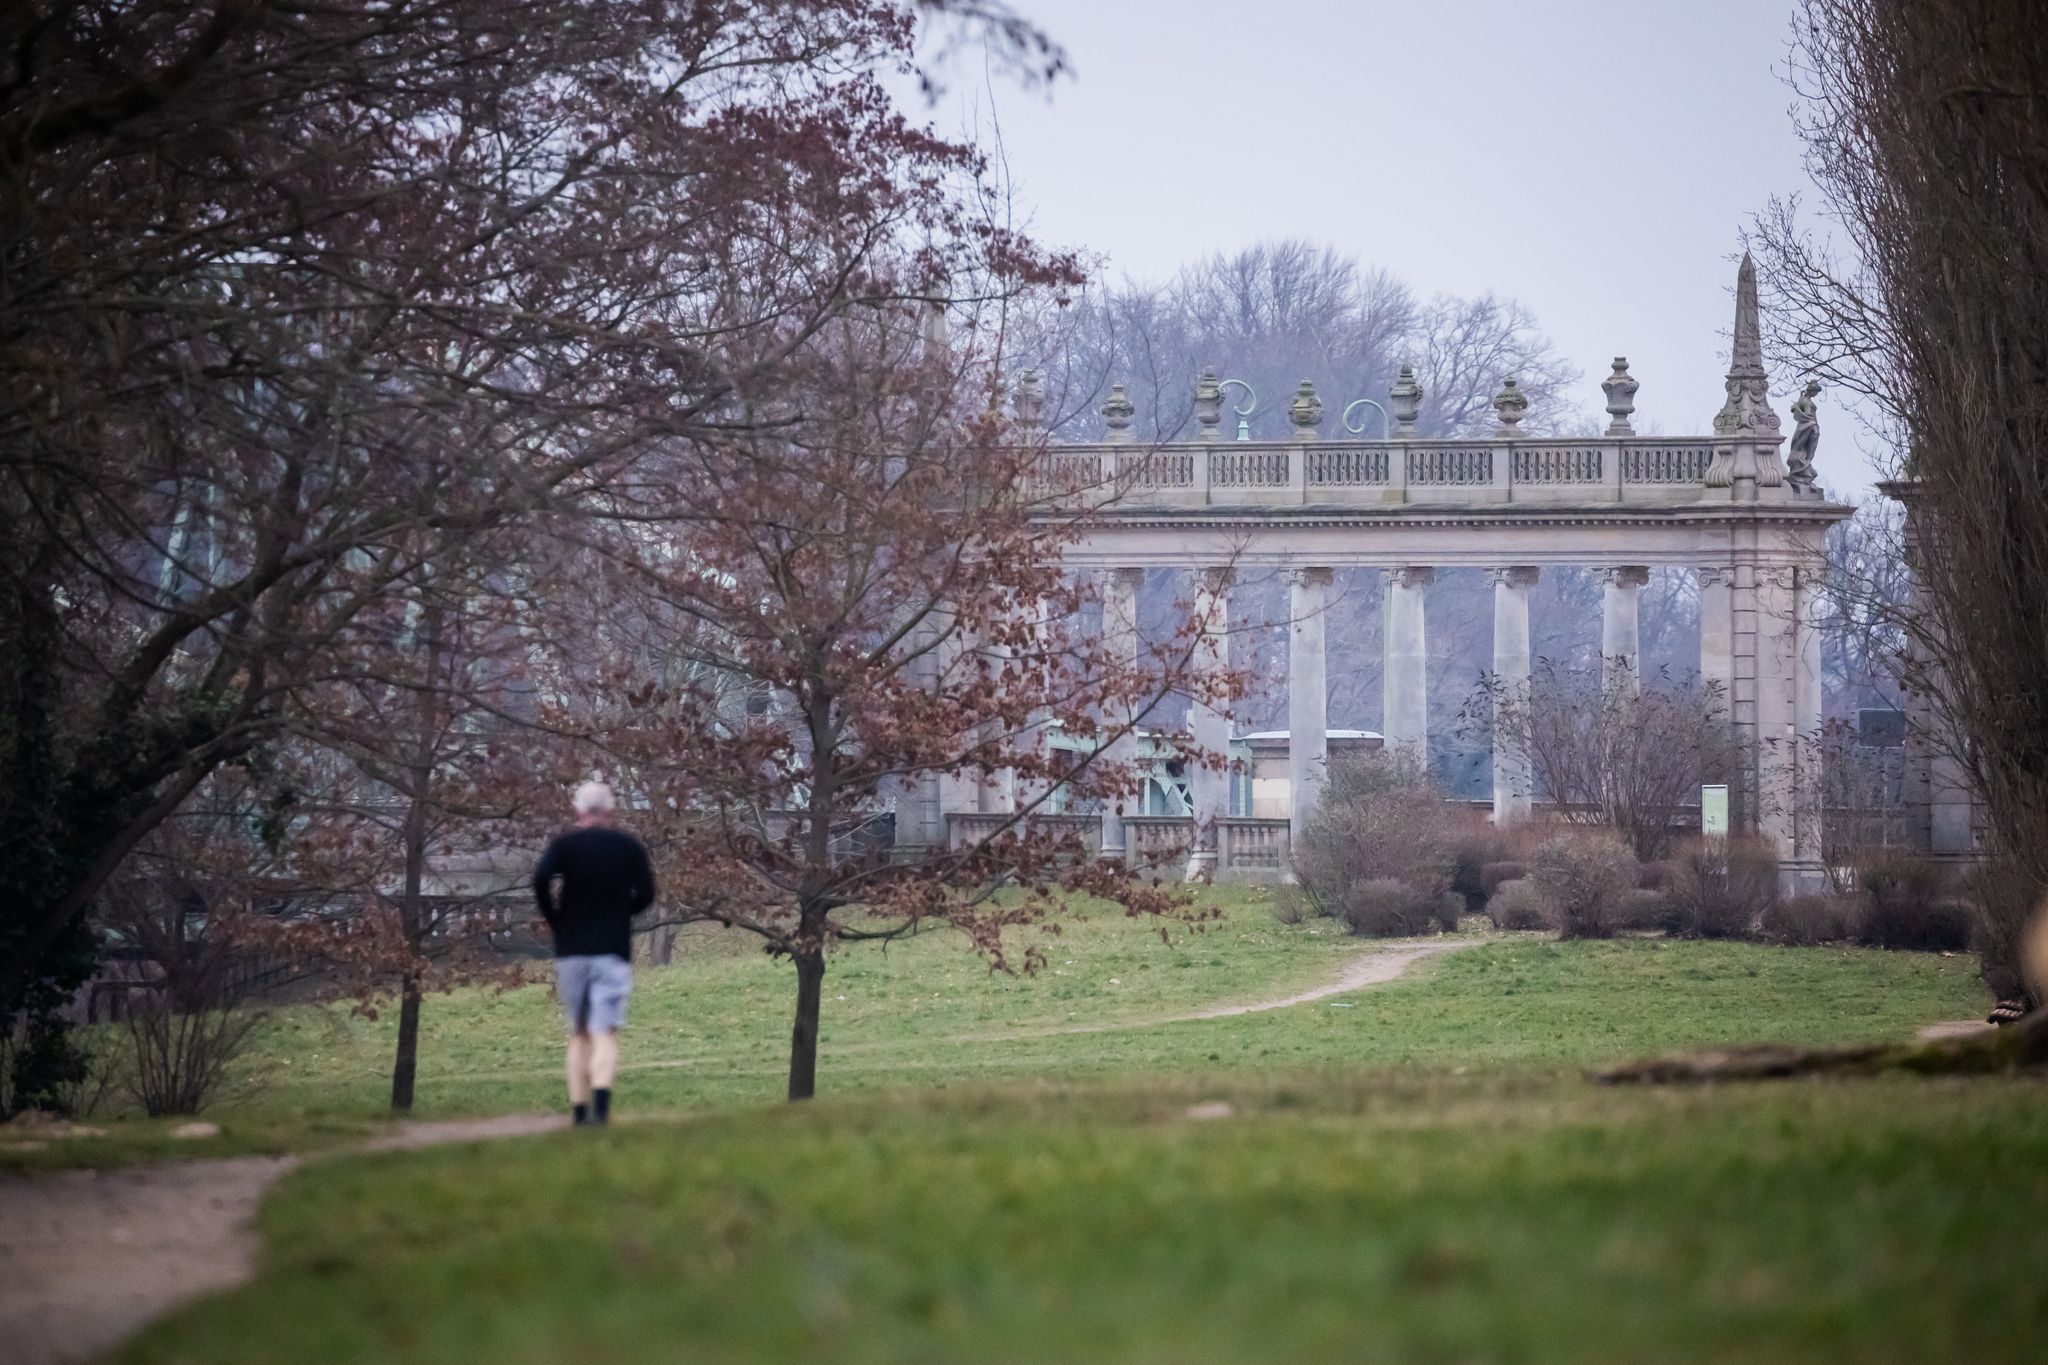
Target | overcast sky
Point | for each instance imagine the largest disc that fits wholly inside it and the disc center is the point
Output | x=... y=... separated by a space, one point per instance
x=1596 y=160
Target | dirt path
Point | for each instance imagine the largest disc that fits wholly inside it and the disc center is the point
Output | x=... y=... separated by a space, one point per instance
x=88 y=1257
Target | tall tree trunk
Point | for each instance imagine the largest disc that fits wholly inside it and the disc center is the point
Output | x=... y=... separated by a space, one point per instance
x=406 y=1066
x=803 y=1038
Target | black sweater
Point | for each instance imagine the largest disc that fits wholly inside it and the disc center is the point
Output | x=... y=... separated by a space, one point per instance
x=606 y=880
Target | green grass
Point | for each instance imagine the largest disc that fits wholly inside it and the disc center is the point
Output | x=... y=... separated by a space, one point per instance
x=1334 y=1217
x=712 y=1031
x=1417 y=1171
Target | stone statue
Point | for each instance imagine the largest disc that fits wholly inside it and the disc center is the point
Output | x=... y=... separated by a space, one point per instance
x=1805 y=440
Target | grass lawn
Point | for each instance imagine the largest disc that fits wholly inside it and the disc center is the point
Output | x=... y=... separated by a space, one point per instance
x=711 y=1032
x=1332 y=1217
x=1417 y=1171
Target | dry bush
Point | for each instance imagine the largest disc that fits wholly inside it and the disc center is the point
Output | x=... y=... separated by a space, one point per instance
x=2004 y=894
x=1291 y=907
x=1641 y=910
x=1388 y=907
x=1802 y=921
x=1905 y=904
x=182 y=1056
x=1520 y=904
x=1379 y=819
x=1585 y=874
x=1657 y=876
x=1493 y=875
x=1720 y=888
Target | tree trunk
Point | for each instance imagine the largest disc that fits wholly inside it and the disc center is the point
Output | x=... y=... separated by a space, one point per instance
x=803 y=1038
x=406 y=1066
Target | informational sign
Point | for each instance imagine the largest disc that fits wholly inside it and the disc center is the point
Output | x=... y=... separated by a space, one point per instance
x=1714 y=810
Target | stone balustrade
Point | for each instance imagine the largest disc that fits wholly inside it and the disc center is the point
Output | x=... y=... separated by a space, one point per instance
x=1378 y=473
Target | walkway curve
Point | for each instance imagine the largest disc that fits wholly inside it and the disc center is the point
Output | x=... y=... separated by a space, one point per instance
x=88 y=1257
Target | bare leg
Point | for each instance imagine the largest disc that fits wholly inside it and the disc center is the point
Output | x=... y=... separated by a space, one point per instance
x=604 y=1059
x=579 y=1067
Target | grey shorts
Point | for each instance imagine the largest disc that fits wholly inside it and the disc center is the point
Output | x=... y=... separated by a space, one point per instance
x=593 y=991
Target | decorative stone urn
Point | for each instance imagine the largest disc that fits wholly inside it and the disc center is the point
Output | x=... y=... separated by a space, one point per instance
x=1305 y=412
x=1509 y=405
x=1209 y=403
x=1028 y=400
x=1620 y=388
x=1406 y=397
x=1117 y=411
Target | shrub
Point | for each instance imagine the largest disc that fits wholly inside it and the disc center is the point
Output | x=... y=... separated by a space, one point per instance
x=1720 y=888
x=1806 y=920
x=1641 y=909
x=182 y=1056
x=1493 y=874
x=2005 y=895
x=1903 y=905
x=1291 y=907
x=1584 y=874
x=1520 y=904
x=1935 y=926
x=1470 y=857
x=1387 y=907
x=1657 y=876
x=1379 y=819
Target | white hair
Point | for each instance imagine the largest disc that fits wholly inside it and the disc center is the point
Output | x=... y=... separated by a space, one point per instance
x=593 y=798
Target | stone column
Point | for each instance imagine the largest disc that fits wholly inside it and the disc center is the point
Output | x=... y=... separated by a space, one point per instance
x=1776 y=685
x=1120 y=630
x=1308 y=698
x=1808 y=815
x=1717 y=631
x=1620 y=633
x=1209 y=781
x=1512 y=778
x=1406 y=680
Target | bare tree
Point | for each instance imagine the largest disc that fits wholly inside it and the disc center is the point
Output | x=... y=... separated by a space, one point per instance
x=1604 y=753
x=1925 y=131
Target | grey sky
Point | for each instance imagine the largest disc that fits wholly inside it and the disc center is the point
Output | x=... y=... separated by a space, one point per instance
x=1594 y=159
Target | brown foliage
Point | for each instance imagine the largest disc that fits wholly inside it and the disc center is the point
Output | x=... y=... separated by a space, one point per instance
x=1585 y=874
x=1380 y=819
x=1803 y=921
x=1721 y=888
x=1521 y=904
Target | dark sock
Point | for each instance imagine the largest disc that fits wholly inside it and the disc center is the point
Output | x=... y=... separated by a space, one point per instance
x=581 y=1113
x=601 y=1105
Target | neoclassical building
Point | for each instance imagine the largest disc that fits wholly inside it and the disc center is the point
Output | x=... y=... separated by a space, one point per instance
x=1724 y=506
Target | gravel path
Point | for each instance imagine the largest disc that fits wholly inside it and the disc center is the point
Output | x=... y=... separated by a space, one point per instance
x=88 y=1257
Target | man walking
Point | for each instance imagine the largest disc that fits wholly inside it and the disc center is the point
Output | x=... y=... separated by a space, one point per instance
x=606 y=880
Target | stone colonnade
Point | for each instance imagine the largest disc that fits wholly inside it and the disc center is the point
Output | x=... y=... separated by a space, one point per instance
x=1759 y=656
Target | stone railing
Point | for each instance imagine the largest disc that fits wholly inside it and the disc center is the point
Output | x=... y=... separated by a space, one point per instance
x=1247 y=849
x=1380 y=473
x=965 y=828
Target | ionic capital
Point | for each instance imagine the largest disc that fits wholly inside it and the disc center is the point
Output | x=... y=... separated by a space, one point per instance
x=1129 y=580
x=1216 y=580
x=1311 y=577
x=1414 y=576
x=1517 y=575
x=1626 y=575
x=1717 y=576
